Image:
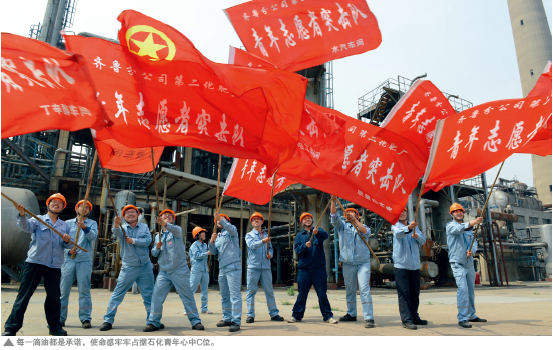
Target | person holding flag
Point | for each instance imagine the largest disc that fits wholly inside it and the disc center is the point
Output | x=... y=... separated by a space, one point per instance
x=44 y=259
x=459 y=237
x=259 y=267
x=311 y=269
x=355 y=257
x=137 y=266
x=173 y=270
x=227 y=245
x=80 y=267
x=407 y=242
x=199 y=275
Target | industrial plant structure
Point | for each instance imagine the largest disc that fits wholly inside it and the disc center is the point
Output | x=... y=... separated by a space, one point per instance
x=515 y=245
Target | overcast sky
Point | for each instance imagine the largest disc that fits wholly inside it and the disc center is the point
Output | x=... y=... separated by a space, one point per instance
x=466 y=47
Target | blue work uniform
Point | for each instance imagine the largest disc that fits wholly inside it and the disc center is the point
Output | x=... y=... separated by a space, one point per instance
x=137 y=267
x=259 y=267
x=173 y=270
x=311 y=272
x=227 y=246
x=459 y=237
x=44 y=259
x=199 y=275
x=355 y=257
x=407 y=264
x=80 y=268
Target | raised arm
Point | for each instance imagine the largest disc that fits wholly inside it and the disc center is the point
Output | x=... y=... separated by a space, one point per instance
x=175 y=230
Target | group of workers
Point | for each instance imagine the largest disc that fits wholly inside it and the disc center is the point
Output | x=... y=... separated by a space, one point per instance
x=52 y=256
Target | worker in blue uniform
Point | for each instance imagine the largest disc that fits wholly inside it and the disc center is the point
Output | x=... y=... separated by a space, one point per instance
x=259 y=267
x=173 y=271
x=137 y=266
x=311 y=269
x=407 y=263
x=80 y=267
x=459 y=237
x=44 y=259
x=199 y=273
x=355 y=257
x=226 y=245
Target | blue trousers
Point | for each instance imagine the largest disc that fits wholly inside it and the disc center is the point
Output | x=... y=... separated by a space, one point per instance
x=32 y=274
x=180 y=278
x=464 y=277
x=82 y=271
x=230 y=280
x=143 y=276
x=200 y=278
x=253 y=277
x=408 y=286
x=361 y=272
x=317 y=279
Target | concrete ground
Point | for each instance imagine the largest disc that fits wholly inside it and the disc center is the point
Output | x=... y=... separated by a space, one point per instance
x=511 y=311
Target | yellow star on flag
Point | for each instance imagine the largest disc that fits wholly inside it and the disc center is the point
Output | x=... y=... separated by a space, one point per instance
x=148 y=47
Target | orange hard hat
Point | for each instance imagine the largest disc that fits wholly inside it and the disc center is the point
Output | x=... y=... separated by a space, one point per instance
x=456 y=206
x=257 y=215
x=353 y=210
x=196 y=231
x=58 y=196
x=225 y=216
x=303 y=215
x=81 y=202
x=127 y=207
x=167 y=211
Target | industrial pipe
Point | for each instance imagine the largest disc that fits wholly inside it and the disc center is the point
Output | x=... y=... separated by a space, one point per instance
x=499 y=216
x=525 y=245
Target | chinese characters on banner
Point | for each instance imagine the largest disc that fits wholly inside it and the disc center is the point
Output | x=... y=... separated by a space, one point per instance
x=45 y=88
x=541 y=142
x=243 y=182
x=298 y=34
x=160 y=91
x=377 y=169
x=115 y=156
x=477 y=139
x=415 y=115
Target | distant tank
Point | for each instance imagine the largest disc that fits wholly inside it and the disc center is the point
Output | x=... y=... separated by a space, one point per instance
x=15 y=241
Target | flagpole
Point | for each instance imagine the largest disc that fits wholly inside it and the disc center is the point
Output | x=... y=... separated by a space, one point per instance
x=80 y=218
x=486 y=205
x=359 y=233
x=112 y=201
x=270 y=209
x=155 y=182
x=44 y=223
x=217 y=205
x=320 y=218
x=419 y=201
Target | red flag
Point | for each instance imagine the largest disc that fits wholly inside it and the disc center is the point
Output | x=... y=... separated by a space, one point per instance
x=295 y=35
x=45 y=88
x=415 y=115
x=377 y=170
x=256 y=189
x=541 y=142
x=481 y=137
x=244 y=58
x=118 y=157
x=160 y=91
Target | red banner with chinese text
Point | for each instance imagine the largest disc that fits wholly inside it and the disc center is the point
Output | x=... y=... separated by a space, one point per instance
x=160 y=91
x=415 y=115
x=541 y=142
x=257 y=189
x=115 y=156
x=479 y=138
x=244 y=58
x=296 y=34
x=377 y=169
x=44 y=88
